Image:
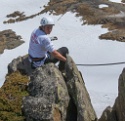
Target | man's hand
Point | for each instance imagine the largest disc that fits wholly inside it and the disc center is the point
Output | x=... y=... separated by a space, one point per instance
x=57 y=55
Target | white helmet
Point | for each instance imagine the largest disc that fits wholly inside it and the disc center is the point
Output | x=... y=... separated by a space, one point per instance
x=47 y=21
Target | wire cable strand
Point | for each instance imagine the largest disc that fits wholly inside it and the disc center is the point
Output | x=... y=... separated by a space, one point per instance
x=102 y=64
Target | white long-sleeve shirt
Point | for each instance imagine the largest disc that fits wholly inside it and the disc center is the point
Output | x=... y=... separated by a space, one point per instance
x=39 y=45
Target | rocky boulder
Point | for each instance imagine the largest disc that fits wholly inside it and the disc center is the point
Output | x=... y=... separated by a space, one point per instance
x=21 y=64
x=56 y=96
x=49 y=96
x=78 y=92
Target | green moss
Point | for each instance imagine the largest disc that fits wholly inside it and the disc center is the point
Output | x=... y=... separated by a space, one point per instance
x=10 y=116
x=11 y=94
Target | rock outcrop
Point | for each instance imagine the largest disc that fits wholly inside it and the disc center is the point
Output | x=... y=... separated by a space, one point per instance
x=9 y=40
x=52 y=95
x=78 y=92
x=49 y=96
x=20 y=64
x=117 y=112
x=56 y=96
x=11 y=94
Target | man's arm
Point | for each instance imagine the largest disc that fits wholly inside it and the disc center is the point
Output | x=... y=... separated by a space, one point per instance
x=57 y=55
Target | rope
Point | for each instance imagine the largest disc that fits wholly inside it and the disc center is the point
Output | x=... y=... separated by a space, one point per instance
x=104 y=64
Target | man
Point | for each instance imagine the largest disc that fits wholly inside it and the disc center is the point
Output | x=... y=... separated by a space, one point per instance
x=41 y=49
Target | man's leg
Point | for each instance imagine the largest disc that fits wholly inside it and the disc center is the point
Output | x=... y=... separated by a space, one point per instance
x=63 y=51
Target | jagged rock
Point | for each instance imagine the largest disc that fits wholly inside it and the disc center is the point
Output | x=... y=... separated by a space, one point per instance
x=78 y=92
x=48 y=95
x=21 y=64
x=117 y=112
x=56 y=96
x=119 y=105
x=50 y=100
x=108 y=115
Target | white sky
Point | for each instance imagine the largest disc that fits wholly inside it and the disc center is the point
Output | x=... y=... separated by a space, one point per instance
x=83 y=43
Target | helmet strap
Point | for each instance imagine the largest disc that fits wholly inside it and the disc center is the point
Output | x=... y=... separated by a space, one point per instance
x=42 y=28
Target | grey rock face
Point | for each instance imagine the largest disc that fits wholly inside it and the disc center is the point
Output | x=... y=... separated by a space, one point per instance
x=53 y=95
x=49 y=98
x=21 y=64
x=78 y=92
x=56 y=96
x=108 y=115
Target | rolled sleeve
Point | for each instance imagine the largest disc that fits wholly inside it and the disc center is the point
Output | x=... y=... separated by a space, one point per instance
x=49 y=45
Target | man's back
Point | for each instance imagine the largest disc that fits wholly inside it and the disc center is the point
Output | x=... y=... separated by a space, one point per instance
x=39 y=44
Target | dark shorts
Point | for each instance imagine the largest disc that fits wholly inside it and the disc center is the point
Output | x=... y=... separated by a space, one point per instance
x=63 y=51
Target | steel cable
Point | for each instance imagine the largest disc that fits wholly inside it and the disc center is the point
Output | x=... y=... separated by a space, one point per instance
x=102 y=64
